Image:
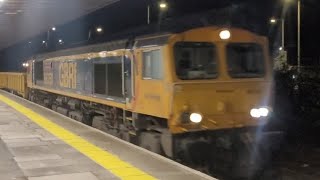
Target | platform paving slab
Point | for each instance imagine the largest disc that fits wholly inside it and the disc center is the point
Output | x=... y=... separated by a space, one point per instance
x=28 y=152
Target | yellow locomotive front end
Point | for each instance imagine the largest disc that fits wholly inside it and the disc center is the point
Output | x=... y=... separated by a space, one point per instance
x=222 y=81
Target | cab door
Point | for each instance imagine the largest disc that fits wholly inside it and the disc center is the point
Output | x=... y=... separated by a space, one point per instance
x=150 y=82
x=128 y=74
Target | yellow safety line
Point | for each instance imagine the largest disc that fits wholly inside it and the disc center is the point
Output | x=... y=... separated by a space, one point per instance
x=107 y=160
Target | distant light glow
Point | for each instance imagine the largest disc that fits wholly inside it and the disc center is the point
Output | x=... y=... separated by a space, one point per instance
x=280 y=48
x=53 y=28
x=225 y=34
x=60 y=41
x=43 y=42
x=163 y=5
x=99 y=29
x=273 y=20
x=25 y=65
x=294 y=76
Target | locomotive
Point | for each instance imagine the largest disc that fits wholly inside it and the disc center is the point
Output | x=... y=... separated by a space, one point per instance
x=201 y=94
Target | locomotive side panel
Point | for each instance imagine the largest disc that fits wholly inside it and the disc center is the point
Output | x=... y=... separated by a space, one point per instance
x=84 y=76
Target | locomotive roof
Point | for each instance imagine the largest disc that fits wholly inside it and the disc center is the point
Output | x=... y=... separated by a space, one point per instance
x=155 y=39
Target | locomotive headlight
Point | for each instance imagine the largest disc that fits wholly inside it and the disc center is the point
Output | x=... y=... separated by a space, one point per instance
x=261 y=112
x=195 y=117
x=255 y=113
x=264 y=112
x=225 y=34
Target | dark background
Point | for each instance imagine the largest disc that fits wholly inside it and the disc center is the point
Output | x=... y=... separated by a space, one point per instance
x=128 y=18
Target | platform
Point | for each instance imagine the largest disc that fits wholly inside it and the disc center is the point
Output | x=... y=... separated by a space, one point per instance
x=40 y=144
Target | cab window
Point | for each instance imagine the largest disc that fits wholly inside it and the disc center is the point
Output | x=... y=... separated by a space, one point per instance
x=245 y=60
x=195 y=60
x=152 y=65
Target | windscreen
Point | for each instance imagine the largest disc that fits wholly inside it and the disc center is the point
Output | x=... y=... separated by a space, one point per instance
x=195 y=60
x=245 y=60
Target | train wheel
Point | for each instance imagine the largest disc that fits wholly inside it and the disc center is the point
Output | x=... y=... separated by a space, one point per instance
x=150 y=141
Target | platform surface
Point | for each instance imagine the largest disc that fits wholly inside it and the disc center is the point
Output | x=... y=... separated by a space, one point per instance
x=39 y=144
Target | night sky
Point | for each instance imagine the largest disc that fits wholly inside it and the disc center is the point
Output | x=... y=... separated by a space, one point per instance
x=129 y=18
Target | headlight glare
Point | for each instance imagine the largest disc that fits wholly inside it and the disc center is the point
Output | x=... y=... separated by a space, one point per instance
x=195 y=117
x=259 y=112
x=255 y=113
x=264 y=112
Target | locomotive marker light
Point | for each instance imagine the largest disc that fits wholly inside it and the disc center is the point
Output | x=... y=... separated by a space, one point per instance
x=225 y=35
x=195 y=117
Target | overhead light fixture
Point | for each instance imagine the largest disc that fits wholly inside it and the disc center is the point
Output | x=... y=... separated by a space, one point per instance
x=163 y=5
x=273 y=20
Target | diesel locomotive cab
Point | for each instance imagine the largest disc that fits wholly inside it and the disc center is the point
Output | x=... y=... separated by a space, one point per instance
x=222 y=85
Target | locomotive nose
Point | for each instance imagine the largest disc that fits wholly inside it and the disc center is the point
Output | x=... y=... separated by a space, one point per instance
x=221 y=106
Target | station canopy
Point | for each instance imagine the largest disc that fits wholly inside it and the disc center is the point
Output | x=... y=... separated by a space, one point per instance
x=23 y=19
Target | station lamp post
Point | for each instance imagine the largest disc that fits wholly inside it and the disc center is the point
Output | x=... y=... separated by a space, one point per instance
x=298 y=31
x=274 y=21
x=96 y=30
x=299 y=36
x=163 y=5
